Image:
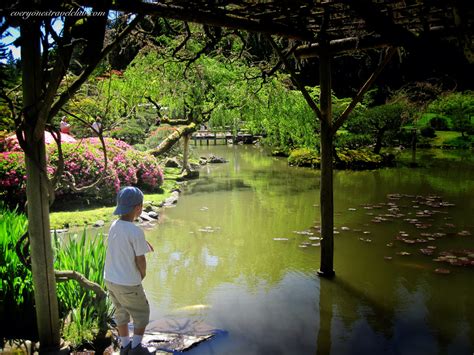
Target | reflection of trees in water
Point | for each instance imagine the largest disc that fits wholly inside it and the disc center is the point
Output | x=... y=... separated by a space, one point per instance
x=213 y=185
x=363 y=300
x=440 y=175
x=242 y=251
x=420 y=311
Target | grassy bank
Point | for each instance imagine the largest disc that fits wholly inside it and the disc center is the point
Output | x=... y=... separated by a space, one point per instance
x=80 y=213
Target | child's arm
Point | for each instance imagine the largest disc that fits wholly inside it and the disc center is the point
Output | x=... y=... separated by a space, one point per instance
x=141 y=265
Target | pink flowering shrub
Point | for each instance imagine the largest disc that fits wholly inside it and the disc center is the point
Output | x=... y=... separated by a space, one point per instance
x=12 y=176
x=84 y=160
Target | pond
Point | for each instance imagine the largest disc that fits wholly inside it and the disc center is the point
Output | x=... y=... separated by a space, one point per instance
x=216 y=259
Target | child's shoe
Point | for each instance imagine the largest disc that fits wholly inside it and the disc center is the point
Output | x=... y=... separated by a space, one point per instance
x=140 y=349
x=125 y=350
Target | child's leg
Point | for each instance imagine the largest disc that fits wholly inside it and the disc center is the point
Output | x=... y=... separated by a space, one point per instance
x=137 y=336
x=122 y=316
x=140 y=312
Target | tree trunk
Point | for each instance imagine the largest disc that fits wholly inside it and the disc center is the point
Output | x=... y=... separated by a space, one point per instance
x=168 y=143
x=413 y=147
x=186 y=153
x=378 y=143
x=37 y=194
x=326 y=187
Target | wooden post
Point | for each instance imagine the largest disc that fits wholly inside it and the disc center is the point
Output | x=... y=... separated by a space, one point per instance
x=186 y=152
x=44 y=282
x=326 y=187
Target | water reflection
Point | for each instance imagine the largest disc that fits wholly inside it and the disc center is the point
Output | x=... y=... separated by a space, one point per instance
x=217 y=260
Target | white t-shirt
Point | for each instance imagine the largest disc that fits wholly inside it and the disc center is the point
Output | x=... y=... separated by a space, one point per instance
x=125 y=241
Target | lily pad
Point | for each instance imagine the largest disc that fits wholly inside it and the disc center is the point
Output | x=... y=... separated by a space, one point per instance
x=303 y=232
x=403 y=253
x=442 y=271
x=427 y=251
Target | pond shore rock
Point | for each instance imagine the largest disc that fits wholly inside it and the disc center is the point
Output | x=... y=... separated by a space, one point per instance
x=146 y=217
x=212 y=159
x=99 y=223
x=175 y=335
x=172 y=163
x=172 y=200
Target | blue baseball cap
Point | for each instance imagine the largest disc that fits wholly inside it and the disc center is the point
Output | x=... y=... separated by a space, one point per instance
x=127 y=199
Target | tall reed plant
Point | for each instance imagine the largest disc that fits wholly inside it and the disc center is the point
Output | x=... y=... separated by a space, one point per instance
x=84 y=254
x=16 y=287
x=85 y=316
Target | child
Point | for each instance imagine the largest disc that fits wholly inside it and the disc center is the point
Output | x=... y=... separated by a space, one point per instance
x=125 y=268
x=64 y=126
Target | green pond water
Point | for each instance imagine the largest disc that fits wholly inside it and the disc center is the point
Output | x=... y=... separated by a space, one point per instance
x=216 y=259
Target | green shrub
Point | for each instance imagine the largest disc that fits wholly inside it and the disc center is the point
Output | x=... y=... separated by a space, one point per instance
x=459 y=106
x=353 y=140
x=131 y=133
x=439 y=123
x=304 y=157
x=459 y=143
x=358 y=159
x=346 y=159
x=428 y=132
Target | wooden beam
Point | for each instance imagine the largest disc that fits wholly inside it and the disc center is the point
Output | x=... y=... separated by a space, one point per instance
x=382 y=23
x=343 y=45
x=219 y=17
x=326 y=186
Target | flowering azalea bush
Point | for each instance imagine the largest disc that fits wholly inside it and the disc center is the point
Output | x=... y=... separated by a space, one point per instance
x=84 y=164
x=12 y=176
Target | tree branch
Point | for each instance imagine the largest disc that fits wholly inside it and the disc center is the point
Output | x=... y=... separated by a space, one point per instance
x=186 y=39
x=298 y=84
x=69 y=92
x=342 y=118
x=66 y=275
x=71 y=177
x=21 y=249
x=168 y=143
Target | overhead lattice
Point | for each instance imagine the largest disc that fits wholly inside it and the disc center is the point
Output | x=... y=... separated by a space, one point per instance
x=395 y=20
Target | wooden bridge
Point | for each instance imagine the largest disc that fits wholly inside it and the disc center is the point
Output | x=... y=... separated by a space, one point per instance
x=224 y=136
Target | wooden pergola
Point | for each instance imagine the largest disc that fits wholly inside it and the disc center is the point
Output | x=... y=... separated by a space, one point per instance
x=322 y=29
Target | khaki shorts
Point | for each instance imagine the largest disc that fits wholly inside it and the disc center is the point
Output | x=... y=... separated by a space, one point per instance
x=129 y=301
